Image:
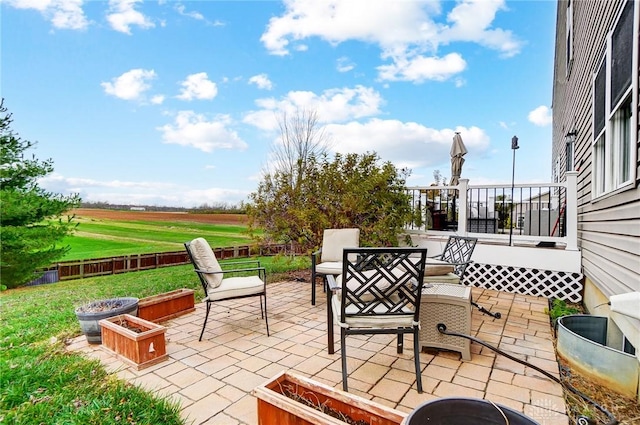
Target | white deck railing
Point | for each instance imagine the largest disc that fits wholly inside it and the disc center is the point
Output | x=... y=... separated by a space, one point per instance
x=519 y=231
x=518 y=214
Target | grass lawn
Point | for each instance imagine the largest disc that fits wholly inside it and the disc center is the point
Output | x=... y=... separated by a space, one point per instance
x=100 y=238
x=42 y=383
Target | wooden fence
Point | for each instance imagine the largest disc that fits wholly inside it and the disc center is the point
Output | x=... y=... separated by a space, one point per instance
x=68 y=270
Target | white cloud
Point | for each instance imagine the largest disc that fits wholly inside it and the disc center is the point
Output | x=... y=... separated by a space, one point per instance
x=334 y=105
x=157 y=99
x=182 y=11
x=344 y=65
x=406 y=144
x=406 y=32
x=140 y=192
x=122 y=15
x=262 y=81
x=471 y=21
x=130 y=85
x=541 y=116
x=420 y=68
x=198 y=86
x=63 y=14
x=195 y=130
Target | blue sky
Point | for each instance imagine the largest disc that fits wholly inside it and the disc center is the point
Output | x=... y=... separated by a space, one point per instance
x=175 y=103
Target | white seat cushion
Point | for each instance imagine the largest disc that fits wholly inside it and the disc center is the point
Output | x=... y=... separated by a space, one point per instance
x=329 y=267
x=206 y=260
x=236 y=287
x=445 y=278
x=382 y=284
x=363 y=321
x=435 y=267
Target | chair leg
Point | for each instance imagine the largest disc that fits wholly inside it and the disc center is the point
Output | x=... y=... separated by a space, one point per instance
x=343 y=354
x=416 y=354
x=400 y=342
x=313 y=287
x=206 y=317
x=266 y=320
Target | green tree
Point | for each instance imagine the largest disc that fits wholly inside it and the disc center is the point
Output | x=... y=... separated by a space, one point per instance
x=503 y=207
x=32 y=219
x=346 y=191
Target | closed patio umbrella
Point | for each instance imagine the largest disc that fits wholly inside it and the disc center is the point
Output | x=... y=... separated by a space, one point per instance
x=458 y=150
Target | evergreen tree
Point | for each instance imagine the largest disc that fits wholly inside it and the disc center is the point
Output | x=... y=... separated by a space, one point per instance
x=31 y=221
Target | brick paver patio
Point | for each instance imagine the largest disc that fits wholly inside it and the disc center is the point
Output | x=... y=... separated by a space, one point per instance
x=213 y=379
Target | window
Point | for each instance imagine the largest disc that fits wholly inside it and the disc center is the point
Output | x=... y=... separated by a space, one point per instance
x=613 y=120
x=570 y=153
x=569 y=34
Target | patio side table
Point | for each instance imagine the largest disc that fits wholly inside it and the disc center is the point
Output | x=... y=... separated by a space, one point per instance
x=449 y=304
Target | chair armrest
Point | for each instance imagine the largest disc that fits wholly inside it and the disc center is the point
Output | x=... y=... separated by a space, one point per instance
x=226 y=263
x=314 y=258
x=331 y=282
x=248 y=269
x=208 y=271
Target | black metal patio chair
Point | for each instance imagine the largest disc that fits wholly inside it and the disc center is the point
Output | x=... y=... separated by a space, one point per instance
x=379 y=292
x=247 y=279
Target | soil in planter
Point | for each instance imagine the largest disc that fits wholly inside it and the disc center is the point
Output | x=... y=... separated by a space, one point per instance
x=104 y=305
x=134 y=327
x=290 y=391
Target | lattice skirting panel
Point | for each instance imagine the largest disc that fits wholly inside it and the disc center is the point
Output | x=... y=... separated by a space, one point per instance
x=519 y=280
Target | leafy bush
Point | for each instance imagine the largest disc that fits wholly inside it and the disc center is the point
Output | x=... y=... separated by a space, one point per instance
x=561 y=308
x=349 y=191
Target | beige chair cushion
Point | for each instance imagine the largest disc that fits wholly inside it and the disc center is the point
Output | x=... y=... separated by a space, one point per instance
x=334 y=241
x=396 y=321
x=435 y=267
x=329 y=267
x=206 y=260
x=237 y=287
x=353 y=284
x=437 y=270
x=445 y=278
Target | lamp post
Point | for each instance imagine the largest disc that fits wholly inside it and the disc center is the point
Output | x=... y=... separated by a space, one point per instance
x=514 y=146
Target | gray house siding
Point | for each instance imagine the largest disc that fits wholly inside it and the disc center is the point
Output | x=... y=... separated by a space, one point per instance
x=608 y=226
x=608 y=220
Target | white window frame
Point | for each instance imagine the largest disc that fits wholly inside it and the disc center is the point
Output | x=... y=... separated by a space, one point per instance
x=609 y=146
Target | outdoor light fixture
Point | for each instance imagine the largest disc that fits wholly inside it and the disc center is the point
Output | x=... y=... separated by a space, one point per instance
x=570 y=137
x=514 y=146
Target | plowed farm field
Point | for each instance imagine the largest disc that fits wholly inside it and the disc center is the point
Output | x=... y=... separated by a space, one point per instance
x=159 y=216
x=109 y=233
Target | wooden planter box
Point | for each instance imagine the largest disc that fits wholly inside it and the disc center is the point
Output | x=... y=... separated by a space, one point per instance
x=168 y=305
x=274 y=407
x=135 y=341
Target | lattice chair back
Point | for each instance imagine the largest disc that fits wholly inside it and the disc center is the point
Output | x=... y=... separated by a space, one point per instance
x=458 y=251
x=382 y=285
